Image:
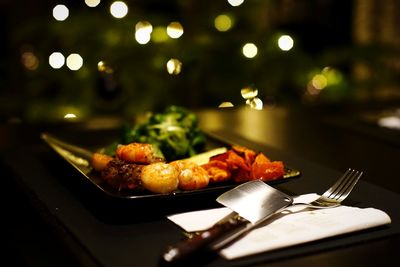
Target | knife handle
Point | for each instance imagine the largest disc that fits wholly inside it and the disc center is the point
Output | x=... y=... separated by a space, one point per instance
x=203 y=242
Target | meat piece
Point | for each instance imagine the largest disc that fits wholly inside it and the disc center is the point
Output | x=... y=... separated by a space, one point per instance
x=122 y=175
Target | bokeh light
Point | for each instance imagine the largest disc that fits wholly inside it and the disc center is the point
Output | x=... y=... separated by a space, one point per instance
x=319 y=81
x=249 y=92
x=174 y=30
x=249 y=50
x=118 y=9
x=392 y=122
x=142 y=37
x=223 y=23
x=29 y=60
x=285 y=42
x=255 y=103
x=60 y=12
x=235 y=2
x=74 y=61
x=56 y=60
x=159 y=34
x=144 y=26
x=332 y=76
x=102 y=66
x=92 y=3
x=70 y=116
x=226 y=105
x=143 y=30
x=174 y=66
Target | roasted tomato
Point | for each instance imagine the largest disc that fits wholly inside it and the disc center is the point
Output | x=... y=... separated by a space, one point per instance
x=266 y=170
x=248 y=154
x=236 y=162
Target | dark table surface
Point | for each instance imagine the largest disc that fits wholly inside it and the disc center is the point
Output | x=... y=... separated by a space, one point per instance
x=53 y=217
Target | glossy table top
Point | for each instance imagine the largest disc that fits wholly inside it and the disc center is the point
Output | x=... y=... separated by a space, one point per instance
x=56 y=218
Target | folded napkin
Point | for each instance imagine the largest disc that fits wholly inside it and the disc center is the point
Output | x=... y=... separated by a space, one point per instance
x=295 y=227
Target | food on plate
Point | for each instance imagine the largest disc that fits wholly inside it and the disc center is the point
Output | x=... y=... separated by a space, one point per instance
x=138 y=153
x=122 y=175
x=191 y=176
x=204 y=157
x=265 y=169
x=241 y=164
x=99 y=161
x=218 y=171
x=165 y=153
x=137 y=167
x=174 y=133
x=160 y=177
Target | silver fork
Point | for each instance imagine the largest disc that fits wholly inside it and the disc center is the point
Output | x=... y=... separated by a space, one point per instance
x=334 y=196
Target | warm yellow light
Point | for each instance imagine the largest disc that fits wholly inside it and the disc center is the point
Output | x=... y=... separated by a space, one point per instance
x=174 y=66
x=103 y=67
x=142 y=36
x=118 y=9
x=255 y=103
x=250 y=50
x=60 y=12
x=92 y=3
x=29 y=60
x=223 y=23
x=235 y=2
x=285 y=42
x=332 y=76
x=174 y=30
x=56 y=60
x=249 y=92
x=392 y=122
x=225 y=105
x=144 y=26
x=69 y=116
x=74 y=62
x=319 y=82
x=143 y=32
x=159 y=34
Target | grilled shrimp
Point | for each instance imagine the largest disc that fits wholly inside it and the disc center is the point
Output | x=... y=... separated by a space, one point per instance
x=218 y=171
x=99 y=161
x=191 y=176
x=160 y=177
x=137 y=153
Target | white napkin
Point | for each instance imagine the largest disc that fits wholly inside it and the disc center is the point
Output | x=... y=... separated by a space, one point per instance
x=295 y=227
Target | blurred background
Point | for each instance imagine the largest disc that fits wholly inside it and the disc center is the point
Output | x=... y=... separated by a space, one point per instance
x=81 y=59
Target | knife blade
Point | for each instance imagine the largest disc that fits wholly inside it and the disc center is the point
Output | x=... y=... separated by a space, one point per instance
x=252 y=203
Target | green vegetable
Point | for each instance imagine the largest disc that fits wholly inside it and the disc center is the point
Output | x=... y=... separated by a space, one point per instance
x=174 y=132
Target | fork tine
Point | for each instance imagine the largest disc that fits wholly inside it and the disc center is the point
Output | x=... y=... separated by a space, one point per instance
x=357 y=175
x=344 y=186
x=338 y=184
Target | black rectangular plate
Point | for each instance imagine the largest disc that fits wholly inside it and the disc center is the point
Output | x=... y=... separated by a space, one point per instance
x=79 y=158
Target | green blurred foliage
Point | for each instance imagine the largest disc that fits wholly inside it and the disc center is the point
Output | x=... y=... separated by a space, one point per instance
x=214 y=68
